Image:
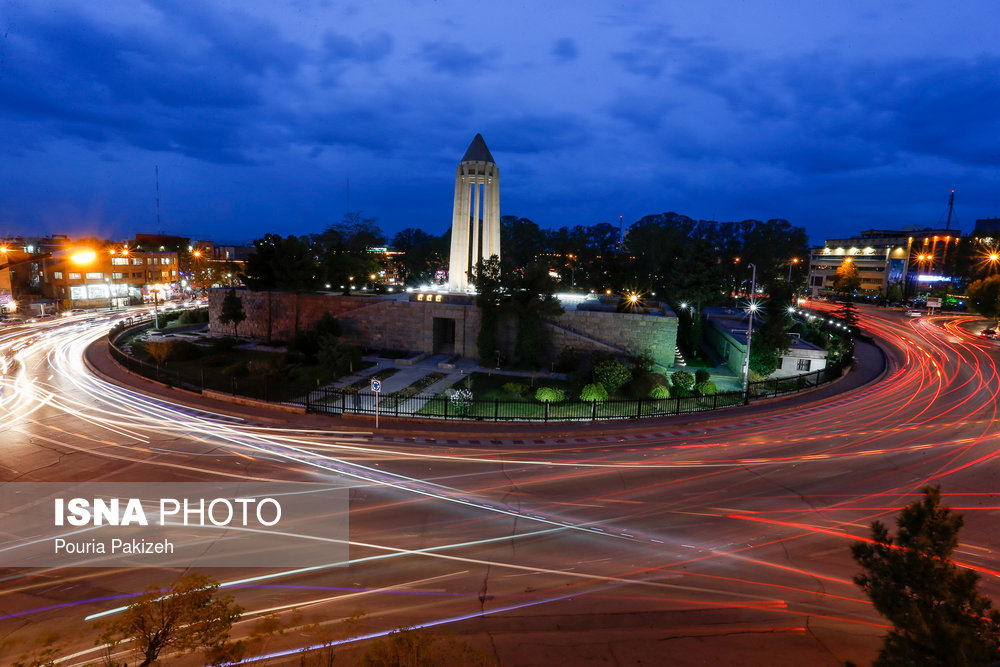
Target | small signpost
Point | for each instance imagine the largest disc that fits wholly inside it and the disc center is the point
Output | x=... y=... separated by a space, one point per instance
x=933 y=302
x=376 y=388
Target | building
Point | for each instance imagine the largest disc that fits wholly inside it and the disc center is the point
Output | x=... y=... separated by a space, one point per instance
x=911 y=259
x=726 y=331
x=108 y=276
x=475 y=222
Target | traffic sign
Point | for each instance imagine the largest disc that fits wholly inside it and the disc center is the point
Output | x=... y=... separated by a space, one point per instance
x=376 y=385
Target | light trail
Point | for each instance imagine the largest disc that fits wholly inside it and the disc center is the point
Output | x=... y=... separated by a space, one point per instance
x=731 y=508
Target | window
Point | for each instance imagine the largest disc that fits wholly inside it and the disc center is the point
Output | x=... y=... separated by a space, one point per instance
x=74 y=276
x=137 y=261
x=95 y=276
x=57 y=275
x=164 y=260
x=118 y=261
x=137 y=274
x=173 y=273
x=117 y=276
x=802 y=365
x=77 y=292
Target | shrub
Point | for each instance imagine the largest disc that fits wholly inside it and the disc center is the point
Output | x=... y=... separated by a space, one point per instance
x=309 y=343
x=224 y=344
x=336 y=356
x=706 y=388
x=460 y=402
x=612 y=374
x=567 y=361
x=550 y=394
x=238 y=369
x=701 y=375
x=182 y=350
x=515 y=388
x=195 y=316
x=594 y=392
x=682 y=380
x=643 y=382
x=644 y=360
x=263 y=367
x=659 y=392
x=214 y=360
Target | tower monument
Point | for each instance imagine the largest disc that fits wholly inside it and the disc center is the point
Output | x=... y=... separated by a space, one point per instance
x=475 y=222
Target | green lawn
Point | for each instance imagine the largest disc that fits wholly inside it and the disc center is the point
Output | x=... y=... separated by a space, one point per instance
x=264 y=374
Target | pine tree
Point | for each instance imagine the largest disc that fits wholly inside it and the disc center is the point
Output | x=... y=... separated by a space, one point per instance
x=232 y=310
x=938 y=615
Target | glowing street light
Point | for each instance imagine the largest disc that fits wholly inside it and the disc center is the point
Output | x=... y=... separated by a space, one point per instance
x=795 y=260
x=83 y=256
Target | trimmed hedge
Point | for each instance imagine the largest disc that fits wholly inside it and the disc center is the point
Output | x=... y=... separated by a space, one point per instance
x=594 y=392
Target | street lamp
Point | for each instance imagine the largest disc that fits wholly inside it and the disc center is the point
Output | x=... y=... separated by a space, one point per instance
x=795 y=260
x=155 y=289
x=750 y=310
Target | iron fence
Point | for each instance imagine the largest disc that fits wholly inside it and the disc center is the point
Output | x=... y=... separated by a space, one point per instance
x=437 y=406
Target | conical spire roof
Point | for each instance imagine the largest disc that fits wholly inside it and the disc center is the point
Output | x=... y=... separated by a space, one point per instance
x=477 y=151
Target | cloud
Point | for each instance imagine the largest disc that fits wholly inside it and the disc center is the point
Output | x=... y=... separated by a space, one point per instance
x=370 y=47
x=186 y=81
x=536 y=133
x=455 y=59
x=565 y=50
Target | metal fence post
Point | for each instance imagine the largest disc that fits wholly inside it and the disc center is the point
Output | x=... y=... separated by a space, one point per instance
x=546 y=409
x=446 y=409
x=638 y=408
x=496 y=409
x=593 y=410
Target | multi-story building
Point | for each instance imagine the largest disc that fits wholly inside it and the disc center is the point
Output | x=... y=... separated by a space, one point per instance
x=111 y=276
x=912 y=259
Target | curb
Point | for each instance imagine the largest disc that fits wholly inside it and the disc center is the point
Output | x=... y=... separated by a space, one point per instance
x=483 y=428
x=184 y=396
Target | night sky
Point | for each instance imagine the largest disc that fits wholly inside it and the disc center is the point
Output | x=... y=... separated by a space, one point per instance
x=853 y=116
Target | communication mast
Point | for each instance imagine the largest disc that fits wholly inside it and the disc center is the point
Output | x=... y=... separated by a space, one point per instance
x=951 y=205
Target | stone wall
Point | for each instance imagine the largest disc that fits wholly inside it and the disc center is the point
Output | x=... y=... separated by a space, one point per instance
x=392 y=323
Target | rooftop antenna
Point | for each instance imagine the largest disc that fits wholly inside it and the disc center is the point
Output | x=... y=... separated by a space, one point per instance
x=951 y=205
x=621 y=231
x=158 y=198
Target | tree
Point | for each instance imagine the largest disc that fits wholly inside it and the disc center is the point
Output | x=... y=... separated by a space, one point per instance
x=846 y=312
x=487 y=278
x=984 y=297
x=418 y=648
x=532 y=300
x=847 y=280
x=772 y=340
x=232 y=310
x=282 y=263
x=187 y=617
x=938 y=616
x=423 y=255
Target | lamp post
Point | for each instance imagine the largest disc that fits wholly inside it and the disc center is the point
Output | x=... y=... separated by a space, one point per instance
x=746 y=354
x=155 y=289
x=795 y=260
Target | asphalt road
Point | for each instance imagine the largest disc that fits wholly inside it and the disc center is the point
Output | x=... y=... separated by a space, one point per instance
x=713 y=540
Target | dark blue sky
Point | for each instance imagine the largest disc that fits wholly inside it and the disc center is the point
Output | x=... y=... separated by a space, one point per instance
x=257 y=113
